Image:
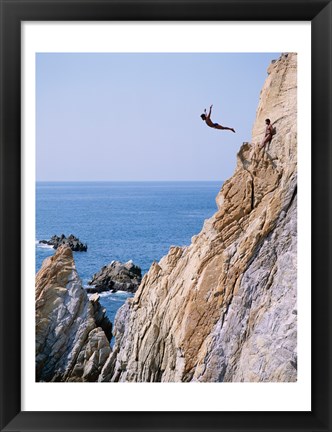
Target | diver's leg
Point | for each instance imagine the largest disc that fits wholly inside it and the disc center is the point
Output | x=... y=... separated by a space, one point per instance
x=218 y=126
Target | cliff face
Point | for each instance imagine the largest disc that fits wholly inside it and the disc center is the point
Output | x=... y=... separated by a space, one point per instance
x=221 y=309
x=70 y=345
x=224 y=308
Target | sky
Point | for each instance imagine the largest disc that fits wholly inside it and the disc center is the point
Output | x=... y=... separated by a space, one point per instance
x=136 y=117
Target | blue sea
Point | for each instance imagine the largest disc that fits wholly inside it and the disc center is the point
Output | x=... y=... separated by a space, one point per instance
x=122 y=221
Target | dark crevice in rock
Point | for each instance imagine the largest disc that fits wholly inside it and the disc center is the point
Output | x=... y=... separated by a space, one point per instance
x=252 y=194
x=292 y=199
x=100 y=317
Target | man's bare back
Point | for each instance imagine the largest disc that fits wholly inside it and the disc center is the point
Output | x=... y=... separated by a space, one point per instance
x=207 y=118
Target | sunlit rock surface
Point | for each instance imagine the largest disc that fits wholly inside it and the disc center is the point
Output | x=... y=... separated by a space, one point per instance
x=224 y=308
x=69 y=344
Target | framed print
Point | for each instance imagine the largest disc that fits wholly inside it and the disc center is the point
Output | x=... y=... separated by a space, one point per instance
x=165 y=248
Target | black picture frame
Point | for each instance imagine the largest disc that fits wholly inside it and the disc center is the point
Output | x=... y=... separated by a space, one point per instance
x=13 y=12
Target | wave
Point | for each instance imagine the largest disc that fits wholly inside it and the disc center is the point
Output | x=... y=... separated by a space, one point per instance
x=43 y=245
x=102 y=294
x=114 y=295
x=122 y=293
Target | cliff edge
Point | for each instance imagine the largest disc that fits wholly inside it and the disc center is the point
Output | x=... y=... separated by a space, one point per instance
x=224 y=308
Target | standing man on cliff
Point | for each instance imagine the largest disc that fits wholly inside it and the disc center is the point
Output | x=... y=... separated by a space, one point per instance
x=258 y=149
x=269 y=132
x=206 y=117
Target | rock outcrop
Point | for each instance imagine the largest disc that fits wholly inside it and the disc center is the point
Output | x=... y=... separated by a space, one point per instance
x=116 y=276
x=71 y=344
x=224 y=308
x=73 y=242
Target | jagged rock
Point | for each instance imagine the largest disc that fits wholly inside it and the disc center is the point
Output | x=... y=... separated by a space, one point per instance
x=73 y=242
x=116 y=277
x=70 y=345
x=224 y=308
x=100 y=316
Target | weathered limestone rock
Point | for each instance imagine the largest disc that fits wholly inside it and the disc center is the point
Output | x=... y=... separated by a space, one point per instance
x=224 y=308
x=69 y=344
x=119 y=332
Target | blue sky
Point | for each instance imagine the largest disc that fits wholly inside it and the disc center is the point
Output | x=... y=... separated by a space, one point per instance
x=117 y=117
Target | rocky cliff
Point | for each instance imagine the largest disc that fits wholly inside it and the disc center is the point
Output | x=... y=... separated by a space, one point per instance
x=224 y=308
x=71 y=344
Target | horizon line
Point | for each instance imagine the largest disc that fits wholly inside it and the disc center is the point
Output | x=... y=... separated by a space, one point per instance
x=124 y=181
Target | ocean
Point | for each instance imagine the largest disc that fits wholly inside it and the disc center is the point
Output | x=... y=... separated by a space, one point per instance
x=122 y=221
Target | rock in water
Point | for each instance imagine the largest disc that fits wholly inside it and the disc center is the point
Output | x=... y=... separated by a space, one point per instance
x=224 y=308
x=70 y=343
x=73 y=242
x=116 y=277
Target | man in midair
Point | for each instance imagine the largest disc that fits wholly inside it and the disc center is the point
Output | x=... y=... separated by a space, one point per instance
x=209 y=122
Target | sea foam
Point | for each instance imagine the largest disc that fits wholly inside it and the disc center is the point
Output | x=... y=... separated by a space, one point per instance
x=43 y=245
